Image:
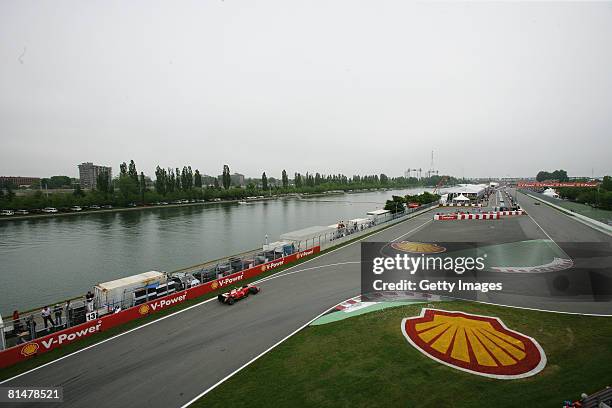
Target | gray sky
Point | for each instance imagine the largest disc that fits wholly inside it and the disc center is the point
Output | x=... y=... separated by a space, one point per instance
x=495 y=89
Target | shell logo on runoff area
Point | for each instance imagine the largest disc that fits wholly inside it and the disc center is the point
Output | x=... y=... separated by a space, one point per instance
x=29 y=349
x=418 y=247
x=143 y=309
x=475 y=344
x=214 y=285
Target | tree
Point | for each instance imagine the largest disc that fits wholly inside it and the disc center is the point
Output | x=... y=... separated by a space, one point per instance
x=197 y=179
x=226 y=178
x=143 y=187
x=216 y=183
x=285 y=179
x=264 y=181
x=395 y=205
x=132 y=171
x=123 y=169
x=177 y=180
x=77 y=191
x=607 y=183
x=103 y=183
x=160 y=180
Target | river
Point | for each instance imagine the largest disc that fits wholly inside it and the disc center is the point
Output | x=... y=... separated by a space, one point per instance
x=45 y=260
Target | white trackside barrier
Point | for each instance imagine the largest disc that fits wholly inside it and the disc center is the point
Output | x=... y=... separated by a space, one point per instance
x=483 y=216
x=519 y=212
x=460 y=205
x=455 y=216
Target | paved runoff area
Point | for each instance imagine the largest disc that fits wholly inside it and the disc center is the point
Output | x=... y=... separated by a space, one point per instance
x=171 y=362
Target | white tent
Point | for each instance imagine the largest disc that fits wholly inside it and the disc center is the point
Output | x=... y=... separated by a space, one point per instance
x=461 y=197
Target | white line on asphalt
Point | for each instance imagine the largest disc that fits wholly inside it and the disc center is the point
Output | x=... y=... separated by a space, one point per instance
x=413 y=230
x=549 y=237
x=280 y=275
x=196 y=305
x=227 y=377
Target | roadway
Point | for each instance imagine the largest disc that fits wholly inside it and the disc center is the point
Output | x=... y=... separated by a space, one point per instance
x=172 y=361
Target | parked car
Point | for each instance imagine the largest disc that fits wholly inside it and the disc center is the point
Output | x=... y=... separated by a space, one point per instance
x=132 y=205
x=22 y=212
x=107 y=207
x=94 y=207
x=76 y=208
x=49 y=210
x=7 y=212
x=184 y=201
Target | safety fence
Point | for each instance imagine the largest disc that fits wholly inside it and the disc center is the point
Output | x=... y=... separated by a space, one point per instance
x=98 y=324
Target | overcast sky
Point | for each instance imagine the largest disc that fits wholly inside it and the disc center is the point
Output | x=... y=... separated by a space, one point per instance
x=495 y=89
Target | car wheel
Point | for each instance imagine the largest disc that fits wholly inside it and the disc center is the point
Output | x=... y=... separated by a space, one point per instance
x=230 y=301
x=254 y=291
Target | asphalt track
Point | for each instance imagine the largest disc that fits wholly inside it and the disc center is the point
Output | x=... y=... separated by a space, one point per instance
x=170 y=362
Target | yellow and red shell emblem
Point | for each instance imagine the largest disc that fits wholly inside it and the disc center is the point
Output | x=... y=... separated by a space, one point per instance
x=29 y=349
x=143 y=309
x=418 y=247
x=476 y=344
x=263 y=268
x=214 y=285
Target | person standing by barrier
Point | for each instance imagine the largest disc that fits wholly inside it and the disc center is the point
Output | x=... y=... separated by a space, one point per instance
x=31 y=323
x=57 y=312
x=16 y=322
x=89 y=298
x=46 y=315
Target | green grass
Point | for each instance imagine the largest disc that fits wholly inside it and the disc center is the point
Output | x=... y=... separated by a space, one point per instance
x=365 y=361
x=44 y=358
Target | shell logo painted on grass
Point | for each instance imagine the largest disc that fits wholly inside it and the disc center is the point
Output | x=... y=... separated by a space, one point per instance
x=29 y=349
x=143 y=309
x=476 y=344
x=418 y=247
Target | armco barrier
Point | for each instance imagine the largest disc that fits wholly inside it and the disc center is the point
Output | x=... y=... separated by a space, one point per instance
x=70 y=335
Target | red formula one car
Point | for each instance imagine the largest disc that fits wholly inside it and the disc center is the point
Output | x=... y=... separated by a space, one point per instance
x=238 y=293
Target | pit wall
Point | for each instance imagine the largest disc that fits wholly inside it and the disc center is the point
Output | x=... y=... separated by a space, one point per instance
x=70 y=335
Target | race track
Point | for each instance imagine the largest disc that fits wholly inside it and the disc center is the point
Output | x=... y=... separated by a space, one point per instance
x=172 y=361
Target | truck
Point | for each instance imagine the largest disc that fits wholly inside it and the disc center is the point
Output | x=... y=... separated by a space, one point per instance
x=122 y=292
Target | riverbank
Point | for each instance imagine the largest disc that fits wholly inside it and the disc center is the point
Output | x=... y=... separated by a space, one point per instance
x=152 y=206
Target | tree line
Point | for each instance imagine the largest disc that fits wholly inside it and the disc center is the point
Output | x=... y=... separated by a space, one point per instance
x=131 y=186
x=600 y=197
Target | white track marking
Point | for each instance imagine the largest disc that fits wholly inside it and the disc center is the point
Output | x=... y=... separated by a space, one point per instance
x=549 y=237
x=197 y=304
x=212 y=387
x=413 y=230
x=280 y=275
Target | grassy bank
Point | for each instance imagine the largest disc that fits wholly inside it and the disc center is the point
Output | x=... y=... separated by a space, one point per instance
x=365 y=361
